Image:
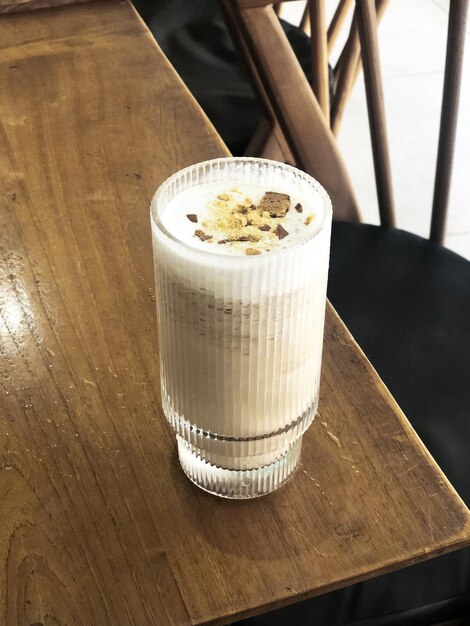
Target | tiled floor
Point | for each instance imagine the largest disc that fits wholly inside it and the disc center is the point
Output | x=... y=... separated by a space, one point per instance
x=412 y=45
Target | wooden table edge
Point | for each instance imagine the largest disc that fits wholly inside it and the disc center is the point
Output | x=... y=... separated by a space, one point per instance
x=289 y=600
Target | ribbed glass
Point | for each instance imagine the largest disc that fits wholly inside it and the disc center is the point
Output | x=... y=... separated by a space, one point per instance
x=240 y=340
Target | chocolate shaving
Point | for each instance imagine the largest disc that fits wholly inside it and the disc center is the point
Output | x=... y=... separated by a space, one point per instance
x=265 y=227
x=192 y=217
x=243 y=238
x=252 y=251
x=248 y=238
x=281 y=232
x=298 y=207
x=202 y=235
x=276 y=204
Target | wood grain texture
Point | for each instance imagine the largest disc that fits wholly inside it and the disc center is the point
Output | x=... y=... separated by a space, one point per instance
x=13 y=6
x=98 y=524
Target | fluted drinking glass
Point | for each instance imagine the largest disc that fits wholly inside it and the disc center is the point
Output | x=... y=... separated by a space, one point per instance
x=240 y=339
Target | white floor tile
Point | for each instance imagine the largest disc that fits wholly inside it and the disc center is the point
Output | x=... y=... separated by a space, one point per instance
x=292 y=11
x=460 y=244
x=444 y=6
x=413 y=37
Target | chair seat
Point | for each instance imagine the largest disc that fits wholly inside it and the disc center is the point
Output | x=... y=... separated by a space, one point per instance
x=406 y=301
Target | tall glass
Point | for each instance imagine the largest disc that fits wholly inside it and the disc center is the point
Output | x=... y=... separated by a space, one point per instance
x=240 y=339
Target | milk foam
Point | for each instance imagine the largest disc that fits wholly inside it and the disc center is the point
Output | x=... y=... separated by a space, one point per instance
x=202 y=202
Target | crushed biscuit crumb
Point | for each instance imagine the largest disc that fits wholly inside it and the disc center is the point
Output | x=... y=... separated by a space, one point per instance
x=236 y=220
x=202 y=235
x=276 y=204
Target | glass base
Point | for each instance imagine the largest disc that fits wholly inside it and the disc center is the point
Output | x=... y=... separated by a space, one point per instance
x=238 y=484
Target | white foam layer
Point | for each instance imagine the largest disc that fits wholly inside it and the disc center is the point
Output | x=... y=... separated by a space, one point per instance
x=202 y=202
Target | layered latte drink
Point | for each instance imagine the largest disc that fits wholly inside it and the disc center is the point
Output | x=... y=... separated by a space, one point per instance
x=241 y=258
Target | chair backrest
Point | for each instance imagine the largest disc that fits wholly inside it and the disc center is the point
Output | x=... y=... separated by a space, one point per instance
x=289 y=100
x=309 y=122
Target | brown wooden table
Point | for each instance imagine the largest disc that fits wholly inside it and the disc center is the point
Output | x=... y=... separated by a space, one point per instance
x=99 y=526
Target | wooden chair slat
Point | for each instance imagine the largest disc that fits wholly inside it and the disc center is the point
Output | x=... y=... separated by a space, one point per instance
x=319 y=45
x=269 y=144
x=449 y=113
x=268 y=140
x=305 y=20
x=296 y=107
x=345 y=71
x=252 y=4
x=337 y=22
x=367 y=28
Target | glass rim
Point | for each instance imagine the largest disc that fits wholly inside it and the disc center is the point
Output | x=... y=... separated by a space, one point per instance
x=317 y=186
